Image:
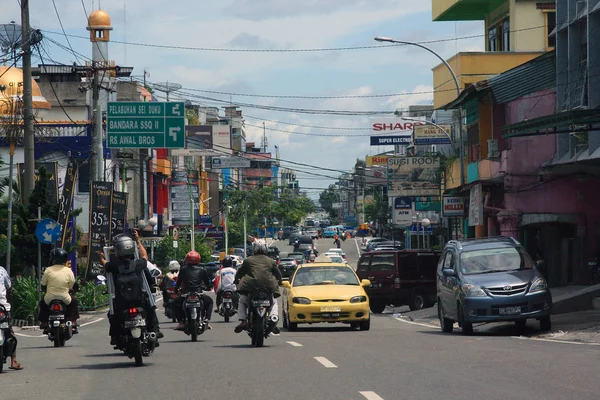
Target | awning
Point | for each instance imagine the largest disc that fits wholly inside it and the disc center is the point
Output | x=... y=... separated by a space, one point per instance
x=466 y=188
x=563 y=122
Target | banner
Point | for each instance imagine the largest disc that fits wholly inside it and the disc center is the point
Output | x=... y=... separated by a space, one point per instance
x=72 y=261
x=66 y=200
x=100 y=221
x=476 y=206
x=390 y=140
x=181 y=184
x=431 y=134
x=52 y=184
x=118 y=213
x=414 y=176
x=376 y=160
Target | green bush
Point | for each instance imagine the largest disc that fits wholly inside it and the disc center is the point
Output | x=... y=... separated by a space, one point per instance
x=91 y=297
x=24 y=301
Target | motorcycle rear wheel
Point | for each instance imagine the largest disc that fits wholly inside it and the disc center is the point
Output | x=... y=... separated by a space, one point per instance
x=194 y=330
x=59 y=341
x=137 y=352
x=1 y=358
x=258 y=332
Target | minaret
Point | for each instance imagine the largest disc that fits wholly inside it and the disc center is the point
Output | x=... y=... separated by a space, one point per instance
x=102 y=70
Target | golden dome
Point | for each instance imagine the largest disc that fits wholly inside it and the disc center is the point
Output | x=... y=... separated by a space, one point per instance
x=99 y=19
x=11 y=80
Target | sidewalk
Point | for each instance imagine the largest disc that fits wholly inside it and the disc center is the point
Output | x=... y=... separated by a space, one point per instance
x=577 y=326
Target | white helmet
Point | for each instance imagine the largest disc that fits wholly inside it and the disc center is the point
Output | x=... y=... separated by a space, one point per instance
x=174 y=266
x=259 y=246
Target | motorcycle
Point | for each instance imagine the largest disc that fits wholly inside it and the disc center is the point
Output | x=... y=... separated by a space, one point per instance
x=260 y=322
x=7 y=341
x=194 y=313
x=170 y=302
x=227 y=308
x=59 y=329
x=135 y=341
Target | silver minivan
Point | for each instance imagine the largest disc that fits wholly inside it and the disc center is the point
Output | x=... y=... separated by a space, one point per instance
x=490 y=280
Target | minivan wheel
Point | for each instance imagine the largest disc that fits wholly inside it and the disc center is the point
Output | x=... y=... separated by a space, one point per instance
x=446 y=323
x=467 y=327
x=377 y=307
x=417 y=301
x=545 y=324
x=521 y=323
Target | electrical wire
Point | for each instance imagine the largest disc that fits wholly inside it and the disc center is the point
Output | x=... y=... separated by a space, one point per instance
x=304 y=50
x=63 y=28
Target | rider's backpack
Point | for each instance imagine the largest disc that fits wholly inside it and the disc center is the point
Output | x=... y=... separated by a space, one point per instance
x=128 y=284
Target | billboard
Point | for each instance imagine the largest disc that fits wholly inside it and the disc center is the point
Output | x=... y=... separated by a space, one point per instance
x=390 y=140
x=222 y=138
x=453 y=206
x=431 y=134
x=198 y=141
x=376 y=161
x=100 y=223
x=183 y=185
x=414 y=176
x=390 y=131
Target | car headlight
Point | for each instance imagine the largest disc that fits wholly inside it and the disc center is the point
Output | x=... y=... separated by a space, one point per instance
x=301 y=300
x=538 y=285
x=358 y=299
x=473 y=291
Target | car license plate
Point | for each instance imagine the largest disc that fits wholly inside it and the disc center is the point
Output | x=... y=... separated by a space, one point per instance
x=331 y=309
x=261 y=303
x=191 y=305
x=56 y=317
x=4 y=325
x=134 y=323
x=509 y=310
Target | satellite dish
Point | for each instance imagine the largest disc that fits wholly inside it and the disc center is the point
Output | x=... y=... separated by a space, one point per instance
x=167 y=87
x=10 y=37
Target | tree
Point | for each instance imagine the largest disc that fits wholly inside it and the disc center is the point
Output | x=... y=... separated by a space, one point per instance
x=165 y=252
x=326 y=199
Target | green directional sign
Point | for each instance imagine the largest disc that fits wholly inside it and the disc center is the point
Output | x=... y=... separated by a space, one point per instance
x=145 y=125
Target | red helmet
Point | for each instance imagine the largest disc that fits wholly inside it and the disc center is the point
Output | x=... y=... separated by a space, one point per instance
x=193 y=257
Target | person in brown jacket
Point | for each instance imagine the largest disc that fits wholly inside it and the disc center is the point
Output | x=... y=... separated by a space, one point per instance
x=258 y=270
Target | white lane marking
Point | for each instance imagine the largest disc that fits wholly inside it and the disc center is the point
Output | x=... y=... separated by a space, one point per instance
x=357 y=248
x=325 y=362
x=294 y=344
x=415 y=323
x=556 y=341
x=24 y=335
x=92 y=322
x=371 y=396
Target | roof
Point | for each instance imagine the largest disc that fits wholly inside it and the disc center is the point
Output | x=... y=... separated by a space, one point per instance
x=530 y=77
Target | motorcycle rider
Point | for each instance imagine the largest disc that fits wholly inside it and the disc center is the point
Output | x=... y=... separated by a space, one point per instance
x=57 y=281
x=124 y=249
x=258 y=270
x=169 y=278
x=5 y=287
x=225 y=279
x=192 y=278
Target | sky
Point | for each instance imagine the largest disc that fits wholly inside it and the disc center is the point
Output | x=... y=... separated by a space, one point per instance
x=217 y=52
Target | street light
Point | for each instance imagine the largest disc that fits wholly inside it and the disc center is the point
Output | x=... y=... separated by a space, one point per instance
x=460 y=133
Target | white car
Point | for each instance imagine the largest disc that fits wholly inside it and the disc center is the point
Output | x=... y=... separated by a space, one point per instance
x=340 y=252
x=336 y=258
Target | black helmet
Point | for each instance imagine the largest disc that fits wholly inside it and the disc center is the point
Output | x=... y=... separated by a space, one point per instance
x=124 y=246
x=227 y=262
x=58 y=256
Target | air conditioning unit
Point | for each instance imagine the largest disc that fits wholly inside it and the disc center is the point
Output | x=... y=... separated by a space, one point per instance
x=493 y=148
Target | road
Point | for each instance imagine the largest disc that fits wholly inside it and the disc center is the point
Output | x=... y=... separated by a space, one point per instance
x=394 y=360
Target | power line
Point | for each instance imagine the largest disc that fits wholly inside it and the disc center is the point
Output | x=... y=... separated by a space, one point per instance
x=305 y=50
x=63 y=28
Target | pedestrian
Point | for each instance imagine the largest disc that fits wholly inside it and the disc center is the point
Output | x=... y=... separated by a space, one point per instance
x=5 y=287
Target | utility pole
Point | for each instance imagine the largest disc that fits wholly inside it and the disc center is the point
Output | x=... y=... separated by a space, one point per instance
x=264 y=141
x=28 y=135
x=98 y=159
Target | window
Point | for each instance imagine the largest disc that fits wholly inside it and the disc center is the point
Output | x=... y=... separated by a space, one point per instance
x=449 y=261
x=499 y=36
x=383 y=262
x=550 y=26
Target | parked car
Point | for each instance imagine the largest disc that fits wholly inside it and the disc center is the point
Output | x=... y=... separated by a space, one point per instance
x=387 y=245
x=374 y=241
x=399 y=278
x=490 y=280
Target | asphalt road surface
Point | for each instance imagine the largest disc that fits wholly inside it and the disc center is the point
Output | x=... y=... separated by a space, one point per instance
x=395 y=360
x=350 y=246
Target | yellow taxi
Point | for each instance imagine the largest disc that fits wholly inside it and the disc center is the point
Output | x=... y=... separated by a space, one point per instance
x=325 y=292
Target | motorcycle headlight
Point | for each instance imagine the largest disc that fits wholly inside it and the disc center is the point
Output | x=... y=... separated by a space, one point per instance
x=358 y=299
x=301 y=300
x=473 y=291
x=538 y=285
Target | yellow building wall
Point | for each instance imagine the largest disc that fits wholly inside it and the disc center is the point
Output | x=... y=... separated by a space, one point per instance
x=452 y=176
x=523 y=18
x=471 y=68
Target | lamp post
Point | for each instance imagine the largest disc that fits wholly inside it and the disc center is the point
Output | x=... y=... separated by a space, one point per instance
x=425 y=222
x=460 y=132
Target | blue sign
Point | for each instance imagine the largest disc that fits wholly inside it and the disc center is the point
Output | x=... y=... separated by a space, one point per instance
x=47 y=231
x=403 y=203
x=390 y=140
x=416 y=229
x=205 y=221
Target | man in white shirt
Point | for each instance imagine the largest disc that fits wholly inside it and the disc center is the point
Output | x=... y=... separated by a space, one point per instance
x=226 y=277
x=5 y=286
